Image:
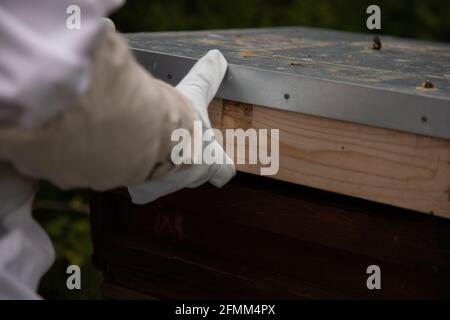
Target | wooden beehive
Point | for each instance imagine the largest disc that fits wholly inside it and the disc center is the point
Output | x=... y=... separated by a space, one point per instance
x=363 y=180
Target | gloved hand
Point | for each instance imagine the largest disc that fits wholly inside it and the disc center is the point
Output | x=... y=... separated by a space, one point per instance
x=117 y=134
x=200 y=87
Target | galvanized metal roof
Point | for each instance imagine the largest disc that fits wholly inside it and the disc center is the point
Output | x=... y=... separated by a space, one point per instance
x=319 y=72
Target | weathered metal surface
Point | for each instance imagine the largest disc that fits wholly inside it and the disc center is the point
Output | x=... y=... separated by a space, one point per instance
x=325 y=73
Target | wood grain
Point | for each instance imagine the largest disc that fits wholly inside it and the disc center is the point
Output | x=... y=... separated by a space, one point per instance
x=396 y=168
x=259 y=238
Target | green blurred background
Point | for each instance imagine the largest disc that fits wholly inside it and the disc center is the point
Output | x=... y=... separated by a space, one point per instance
x=65 y=215
x=427 y=19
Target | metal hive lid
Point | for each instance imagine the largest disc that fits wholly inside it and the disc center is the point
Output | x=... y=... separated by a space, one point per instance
x=318 y=72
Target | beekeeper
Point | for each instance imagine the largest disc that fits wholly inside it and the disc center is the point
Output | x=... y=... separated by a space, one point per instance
x=77 y=110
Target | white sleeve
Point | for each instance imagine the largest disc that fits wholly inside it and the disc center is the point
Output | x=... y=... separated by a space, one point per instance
x=26 y=252
x=44 y=65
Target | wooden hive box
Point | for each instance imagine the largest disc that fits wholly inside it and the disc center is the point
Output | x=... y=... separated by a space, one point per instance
x=363 y=180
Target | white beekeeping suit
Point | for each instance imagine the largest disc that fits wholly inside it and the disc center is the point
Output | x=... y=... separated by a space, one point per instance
x=77 y=110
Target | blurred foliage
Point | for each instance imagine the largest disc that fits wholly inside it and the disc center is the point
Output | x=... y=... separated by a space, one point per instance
x=64 y=214
x=426 y=19
x=65 y=217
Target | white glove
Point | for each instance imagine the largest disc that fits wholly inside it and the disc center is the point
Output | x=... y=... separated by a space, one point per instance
x=200 y=87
